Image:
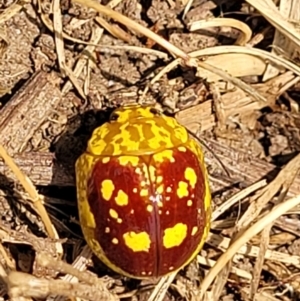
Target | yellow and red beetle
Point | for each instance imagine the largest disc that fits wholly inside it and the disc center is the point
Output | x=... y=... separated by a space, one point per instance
x=143 y=194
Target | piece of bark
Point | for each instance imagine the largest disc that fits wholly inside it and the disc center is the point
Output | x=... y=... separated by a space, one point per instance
x=23 y=115
x=234 y=104
x=42 y=168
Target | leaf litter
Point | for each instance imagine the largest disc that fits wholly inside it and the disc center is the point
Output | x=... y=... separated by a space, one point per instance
x=237 y=84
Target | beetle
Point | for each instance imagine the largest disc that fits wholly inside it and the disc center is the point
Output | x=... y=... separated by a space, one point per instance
x=143 y=193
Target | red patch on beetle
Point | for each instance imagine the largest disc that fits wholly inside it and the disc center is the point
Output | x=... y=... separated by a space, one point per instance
x=168 y=210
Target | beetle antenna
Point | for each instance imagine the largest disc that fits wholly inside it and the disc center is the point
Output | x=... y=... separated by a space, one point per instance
x=211 y=151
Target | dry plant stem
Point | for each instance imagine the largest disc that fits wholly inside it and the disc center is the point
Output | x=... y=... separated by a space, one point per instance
x=221 y=281
x=284 y=180
x=235 y=81
x=218 y=106
x=286 y=175
x=259 y=37
x=162 y=287
x=58 y=36
x=114 y=30
x=265 y=55
x=247 y=235
x=95 y=38
x=289 y=9
x=187 y=8
x=210 y=263
x=47 y=261
x=29 y=187
x=263 y=247
x=235 y=103
x=222 y=243
x=222 y=50
x=25 y=285
x=246 y=31
x=160 y=54
x=134 y=26
x=81 y=265
x=236 y=198
x=268 y=9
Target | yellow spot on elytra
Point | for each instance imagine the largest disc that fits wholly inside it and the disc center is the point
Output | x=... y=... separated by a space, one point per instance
x=152 y=171
x=138 y=171
x=149 y=208
x=164 y=155
x=121 y=198
x=168 y=198
x=131 y=211
x=190 y=175
x=160 y=204
x=182 y=189
x=124 y=160
x=107 y=230
x=182 y=149
x=144 y=192
x=105 y=160
x=143 y=183
x=159 y=179
x=160 y=189
x=137 y=242
x=115 y=241
x=174 y=236
x=159 y=212
x=167 y=212
x=194 y=230
x=113 y=213
x=169 y=189
x=119 y=221
x=143 y=273
x=107 y=189
x=189 y=203
x=135 y=190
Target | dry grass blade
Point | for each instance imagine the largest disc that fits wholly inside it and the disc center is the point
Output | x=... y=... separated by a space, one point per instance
x=290 y=10
x=79 y=264
x=222 y=243
x=187 y=8
x=235 y=81
x=29 y=187
x=162 y=287
x=265 y=55
x=284 y=181
x=226 y=71
x=236 y=198
x=115 y=31
x=204 y=261
x=95 y=38
x=246 y=32
x=58 y=36
x=263 y=247
x=247 y=235
x=286 y=176
x=25 y=285
x=134 y=26
x=268 y=9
